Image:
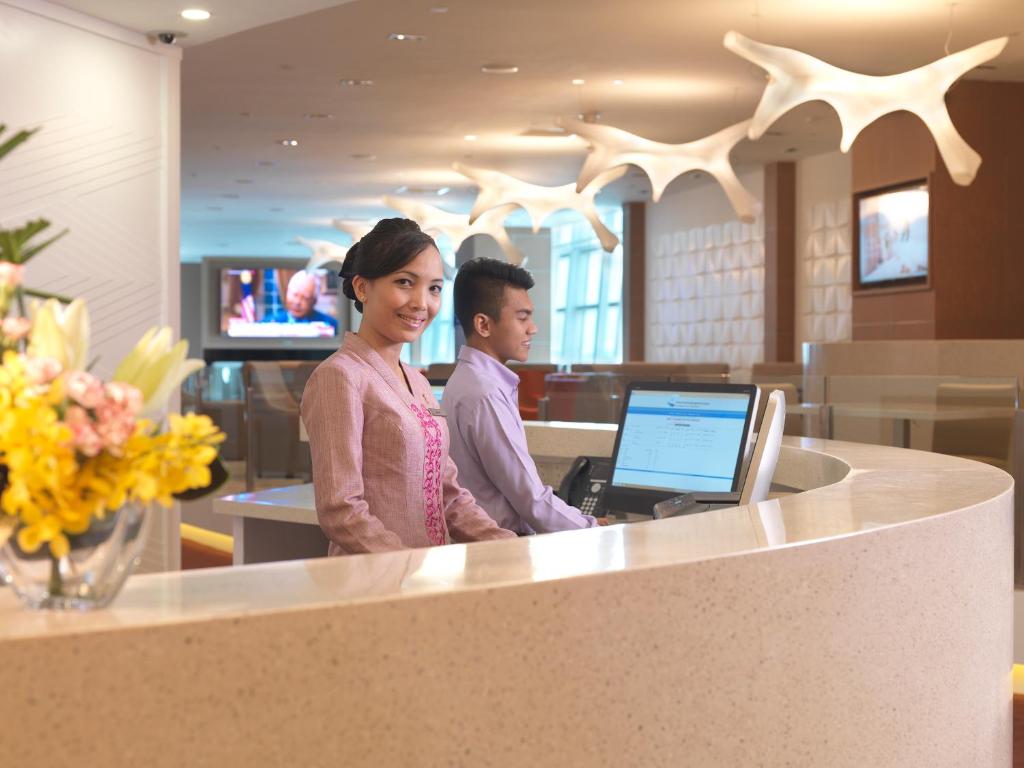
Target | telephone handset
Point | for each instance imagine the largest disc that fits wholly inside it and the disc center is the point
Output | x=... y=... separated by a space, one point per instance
x=584 y=483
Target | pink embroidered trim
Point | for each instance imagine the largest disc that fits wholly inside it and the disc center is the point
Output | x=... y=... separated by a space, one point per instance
x=436 y=528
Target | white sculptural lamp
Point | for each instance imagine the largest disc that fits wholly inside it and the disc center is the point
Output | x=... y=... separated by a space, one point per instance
x=613 y=147
x=499 y=189
x=456 y=226
x=795 y=78
x=355 y=228
x=324 y=252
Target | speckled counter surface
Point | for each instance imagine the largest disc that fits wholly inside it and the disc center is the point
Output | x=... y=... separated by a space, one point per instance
x=867 y=622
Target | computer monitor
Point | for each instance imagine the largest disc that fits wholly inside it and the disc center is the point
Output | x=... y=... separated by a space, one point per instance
x=679 y=438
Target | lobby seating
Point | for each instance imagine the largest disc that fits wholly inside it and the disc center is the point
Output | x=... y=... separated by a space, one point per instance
x=273 y=394
x=595 y=397
x=983 y=439
x=531 y=386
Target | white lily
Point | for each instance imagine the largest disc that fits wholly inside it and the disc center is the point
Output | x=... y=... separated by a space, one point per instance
x=156 y=368
x=60 y=332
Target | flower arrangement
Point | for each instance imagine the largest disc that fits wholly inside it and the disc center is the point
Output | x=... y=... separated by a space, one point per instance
x=75 y=449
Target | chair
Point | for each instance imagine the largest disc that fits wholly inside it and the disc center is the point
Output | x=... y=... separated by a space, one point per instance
x=983 y=439
x=440 y=371
x=769 y=370
x=587 y=397
x=273 y=393
x=793 y=424
x=531 y=386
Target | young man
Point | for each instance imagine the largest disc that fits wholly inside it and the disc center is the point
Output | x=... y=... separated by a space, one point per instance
x=481 y=401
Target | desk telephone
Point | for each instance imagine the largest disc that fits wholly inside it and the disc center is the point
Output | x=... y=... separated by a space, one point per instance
x=584 y=483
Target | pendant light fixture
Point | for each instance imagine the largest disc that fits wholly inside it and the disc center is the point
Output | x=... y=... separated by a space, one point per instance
x=795 y=78
x=499 y=189
x=613 y=147
x=456 y=226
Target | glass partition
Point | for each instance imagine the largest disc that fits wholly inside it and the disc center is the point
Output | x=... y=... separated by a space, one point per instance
x=959 y=415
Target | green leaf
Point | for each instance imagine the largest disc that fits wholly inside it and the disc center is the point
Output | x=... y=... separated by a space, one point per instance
x=30 y=252
x=47 y=295
x=15 y=140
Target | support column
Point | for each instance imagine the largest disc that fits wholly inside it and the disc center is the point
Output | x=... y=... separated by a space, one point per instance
x=634 y=258
x=779 y=261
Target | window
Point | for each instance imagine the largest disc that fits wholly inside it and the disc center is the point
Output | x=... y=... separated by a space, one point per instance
x=586 y=306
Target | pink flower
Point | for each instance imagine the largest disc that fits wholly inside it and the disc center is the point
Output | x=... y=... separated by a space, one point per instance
x=85 y=438
x=42 y=370
x=124 y=396
x=10 y=274
x=115 y=416
x=85 y=389
x=15 y=328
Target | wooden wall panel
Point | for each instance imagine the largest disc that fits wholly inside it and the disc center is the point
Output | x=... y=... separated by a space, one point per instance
x=634 y=255
x=978 y=231
x=895 y=149
x=779 y=261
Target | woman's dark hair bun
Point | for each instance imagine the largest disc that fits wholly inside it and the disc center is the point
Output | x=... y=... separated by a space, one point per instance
x=386 y=248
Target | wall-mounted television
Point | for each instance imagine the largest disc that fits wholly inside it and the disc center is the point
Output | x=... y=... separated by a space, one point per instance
x=265 y=303
x=891 y=237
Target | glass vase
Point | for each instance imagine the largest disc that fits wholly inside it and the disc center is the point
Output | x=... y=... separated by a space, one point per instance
x=90 y=575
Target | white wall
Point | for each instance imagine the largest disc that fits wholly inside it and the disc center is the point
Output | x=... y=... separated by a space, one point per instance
x=705 y=278
x=106 y=166
x=823 y=297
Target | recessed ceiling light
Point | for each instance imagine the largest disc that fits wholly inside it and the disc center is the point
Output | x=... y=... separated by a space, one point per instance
x=195 y=14
x=356 y=83
x=470 y=137
x=443 y=191
x=616 y=82
x=578 y=81
x=405 y=38
x=318 y=116
x=499 y=69
x=290 y=143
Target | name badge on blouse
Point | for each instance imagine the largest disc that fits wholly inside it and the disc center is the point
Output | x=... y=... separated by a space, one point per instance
x=437 y=412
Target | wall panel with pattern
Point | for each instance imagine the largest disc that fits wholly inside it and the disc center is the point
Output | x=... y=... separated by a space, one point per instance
x=105 y=165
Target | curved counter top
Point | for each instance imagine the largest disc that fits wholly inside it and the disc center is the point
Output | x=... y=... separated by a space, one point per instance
x=867 y=621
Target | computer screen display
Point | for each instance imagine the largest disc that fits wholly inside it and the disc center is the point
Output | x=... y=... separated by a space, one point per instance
x=682 y=440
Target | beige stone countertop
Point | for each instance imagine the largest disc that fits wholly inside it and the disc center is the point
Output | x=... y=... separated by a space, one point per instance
x=870 y=487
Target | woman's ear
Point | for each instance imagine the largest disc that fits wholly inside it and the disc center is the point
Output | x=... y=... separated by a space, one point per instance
x=359 y=285
x=482 y=325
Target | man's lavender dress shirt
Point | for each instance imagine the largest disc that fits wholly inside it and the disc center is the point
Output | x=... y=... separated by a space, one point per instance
x=488 y=446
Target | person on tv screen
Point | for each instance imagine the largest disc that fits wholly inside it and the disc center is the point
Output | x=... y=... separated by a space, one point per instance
x=300 y=302
x=382 y=476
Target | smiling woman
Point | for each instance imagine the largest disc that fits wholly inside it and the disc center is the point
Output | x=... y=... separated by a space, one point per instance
x=382 y=477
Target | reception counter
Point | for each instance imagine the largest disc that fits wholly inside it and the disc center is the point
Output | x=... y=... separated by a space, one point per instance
x=865 y=621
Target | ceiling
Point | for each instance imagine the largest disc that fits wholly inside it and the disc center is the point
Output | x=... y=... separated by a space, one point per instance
x=252 y=78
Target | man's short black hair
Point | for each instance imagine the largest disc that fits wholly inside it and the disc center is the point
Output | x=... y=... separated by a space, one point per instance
x=480 y=289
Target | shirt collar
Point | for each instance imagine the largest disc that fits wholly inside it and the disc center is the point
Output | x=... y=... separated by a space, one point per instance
x=354 y=344
x=499 y=373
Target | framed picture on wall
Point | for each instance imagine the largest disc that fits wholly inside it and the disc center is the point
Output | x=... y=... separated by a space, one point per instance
x=890 y=238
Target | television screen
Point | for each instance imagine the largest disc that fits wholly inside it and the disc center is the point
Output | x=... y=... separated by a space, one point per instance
x=892 y=242
x=278 y=303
